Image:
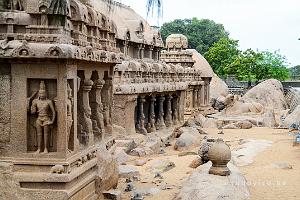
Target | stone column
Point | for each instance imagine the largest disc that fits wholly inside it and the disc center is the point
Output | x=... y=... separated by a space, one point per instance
x=141 y=117
x=175 y=110
x=169 y=111
x=97 y=108
x=205 y=95
x=199 y=97
x=160 y=118
x=208 y=93
x=86 y=129
x=151 y=53
x=151 y=120
x=202 y=95
x=195 y=93
x=142 y=52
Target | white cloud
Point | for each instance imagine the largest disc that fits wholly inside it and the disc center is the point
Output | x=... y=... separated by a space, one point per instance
x=258 y=24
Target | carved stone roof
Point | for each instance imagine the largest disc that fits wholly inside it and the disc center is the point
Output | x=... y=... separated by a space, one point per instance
x=129 y=23
x=177 y=41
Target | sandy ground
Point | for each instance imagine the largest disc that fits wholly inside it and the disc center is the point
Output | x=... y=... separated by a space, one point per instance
x=265 y=182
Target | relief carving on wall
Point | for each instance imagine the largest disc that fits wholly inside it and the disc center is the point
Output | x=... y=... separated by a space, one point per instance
x=42 y=107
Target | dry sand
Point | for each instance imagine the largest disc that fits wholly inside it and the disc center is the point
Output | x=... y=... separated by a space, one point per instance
x=265 y=181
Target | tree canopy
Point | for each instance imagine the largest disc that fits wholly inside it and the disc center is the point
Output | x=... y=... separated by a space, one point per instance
x=201 y=33
x=249 y=65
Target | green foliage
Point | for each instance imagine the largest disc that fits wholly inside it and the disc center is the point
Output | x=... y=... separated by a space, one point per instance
x=252 y=66
x=222 y=54
x=295 y=72
x=202 y=34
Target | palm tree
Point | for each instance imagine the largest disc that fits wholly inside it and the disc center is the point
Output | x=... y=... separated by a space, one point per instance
x=151 y=4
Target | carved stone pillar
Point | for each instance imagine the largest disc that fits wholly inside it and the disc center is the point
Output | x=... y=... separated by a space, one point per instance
x=151 y=121
x=169 y=111
x=97 y=108
x=195 y=95
x=142 y=52
x=208 y=93
x=86 y=135
x=202 y=95
x=205 y=95
x=151 y=53
x=199 y=97
x=140 y=116
x=107 y=105
x=175 y=110
x=160 y=118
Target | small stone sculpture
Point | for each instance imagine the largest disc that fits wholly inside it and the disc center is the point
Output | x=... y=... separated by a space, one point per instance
x=219 y=154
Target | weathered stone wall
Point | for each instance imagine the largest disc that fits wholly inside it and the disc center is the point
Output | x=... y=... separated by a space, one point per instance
x=5 y=106
x=124 y=112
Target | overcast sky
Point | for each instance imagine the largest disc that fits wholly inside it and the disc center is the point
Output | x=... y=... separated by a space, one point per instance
x=257 y=24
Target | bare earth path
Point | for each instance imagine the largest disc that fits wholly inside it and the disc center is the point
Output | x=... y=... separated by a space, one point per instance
x=265 y=181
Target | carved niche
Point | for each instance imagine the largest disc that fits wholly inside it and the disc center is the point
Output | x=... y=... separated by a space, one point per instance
x=41 y=120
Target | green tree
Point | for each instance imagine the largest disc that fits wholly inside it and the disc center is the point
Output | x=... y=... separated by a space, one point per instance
x=222 y=54
x=254 y=66
x=247 y=66
x=276 y=64
x=295 y=72
x=202 y=34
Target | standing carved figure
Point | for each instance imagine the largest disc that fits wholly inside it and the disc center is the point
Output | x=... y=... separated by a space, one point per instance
x=42 y=106
x=69 y=112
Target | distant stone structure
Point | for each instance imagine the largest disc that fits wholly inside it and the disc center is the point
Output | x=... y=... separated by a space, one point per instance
x=69 y=71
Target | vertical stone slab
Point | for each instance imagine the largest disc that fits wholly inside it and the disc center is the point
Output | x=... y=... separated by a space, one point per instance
x=5 y=97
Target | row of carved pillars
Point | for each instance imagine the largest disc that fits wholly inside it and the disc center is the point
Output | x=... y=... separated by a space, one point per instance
x=140 y=51
x=93 y=113
x=200 y=96
x=163 y=111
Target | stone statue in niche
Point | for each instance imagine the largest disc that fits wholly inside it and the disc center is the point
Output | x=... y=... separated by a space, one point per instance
x=69 y=112
x=44 y=109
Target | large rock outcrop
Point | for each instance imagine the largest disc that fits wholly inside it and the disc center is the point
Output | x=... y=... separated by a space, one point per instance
x=266 y=95
x=217 y=86
x=202 y=185
x=293 y=118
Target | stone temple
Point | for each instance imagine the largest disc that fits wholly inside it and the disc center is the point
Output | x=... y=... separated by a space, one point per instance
x=70 y=72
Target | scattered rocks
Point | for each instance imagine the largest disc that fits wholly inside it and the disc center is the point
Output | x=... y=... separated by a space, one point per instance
x=141 y=162
x=158 y=175
x=210 y=123
x=121 y=156
x=190 y=136
x=139 y=151
x=196 y=163
x=244 y=124
x=129 y=187
x=128 y=171
x=230 y=126
x=160 y=166
x=239 y=125
x=112 y=194
x=137 y=196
